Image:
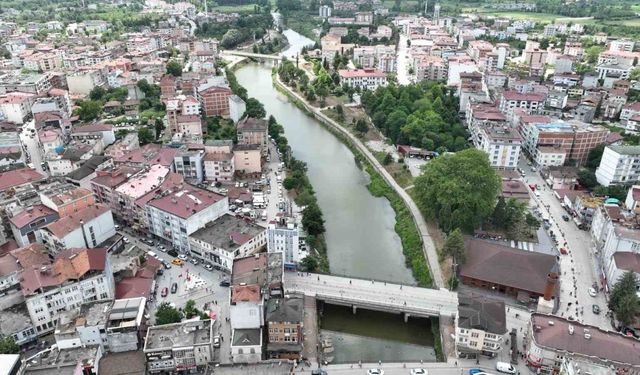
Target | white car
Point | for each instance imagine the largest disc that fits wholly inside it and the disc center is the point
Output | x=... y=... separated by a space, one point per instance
x=182 y=257
x=375 y=371
x=592 y=292
x=419 y=371
x=125 y=239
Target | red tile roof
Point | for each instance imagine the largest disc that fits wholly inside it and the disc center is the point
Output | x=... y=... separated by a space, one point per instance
x=514 y=95
x=19 y=177
x=69 y=223
x=186 y=202
x=31 y=255
x=344 y=73
x=91 y=128
x=245 y=293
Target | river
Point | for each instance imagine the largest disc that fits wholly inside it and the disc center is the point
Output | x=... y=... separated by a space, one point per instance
x=360 y=235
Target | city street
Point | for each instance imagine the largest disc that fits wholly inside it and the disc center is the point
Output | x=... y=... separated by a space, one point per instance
x=578 y=267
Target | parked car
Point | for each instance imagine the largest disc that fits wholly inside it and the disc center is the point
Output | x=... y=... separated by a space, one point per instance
x=125 y=239
x=475 y=371
x=165 y=292
x=173 y=253
x=595 y=309
x=563 y=251
x=225 y=283
x=419 y=371
x=166 y=265
x=592 y=292
x=208 y=267
x=162 y=248
x=505 y=367
x=174 y=288
x=565 y=217
x=216 y=341
x=182 y=257
x=375 y=371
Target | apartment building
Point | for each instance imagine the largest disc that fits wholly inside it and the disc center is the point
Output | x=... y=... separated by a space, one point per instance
x=283 y=236
x=253 y=131
x=285 y=322
x=16 y=106
x=553 y=342
x=214 y=100
x=502 y=144
x=369 y=79
x=124 y=201
x=620 y=165
x=33 y=83
x=67 y=199
x=107 y=180
x=532 y=103
x=480 y=327
x=25 y=225
x=76 y=276
x=179 y=213
x=430 y=68
x=190 y=164
x=225 y=239
x=12 y=263
x=218 y=166
x=182 y=346
x=86 y=228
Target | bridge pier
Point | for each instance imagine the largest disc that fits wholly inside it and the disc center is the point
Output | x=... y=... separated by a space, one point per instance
x=354 y=308
x=406 y=317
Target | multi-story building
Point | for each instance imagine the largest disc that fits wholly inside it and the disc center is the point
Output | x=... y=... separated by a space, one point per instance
x=182 y=346
x=247 y=159
x=228 y=237
x=33 y=83
x=283 y=236
x=575 y=137
x=82 y=82
x=16 y=323
x=285 y=321
x=218 y=166
x=613 y=71
x=369 y=79
x=125 y=324
x=564 y=64
x=554 y=341
x=107 y=180
x=76 y=276
x=67 y=199
x=324 y=11
x=136 y=186
x=430 y=68
x=628 y=111
x=625 y=45
x=190 y=164
x=481 y=326
x=532 y=103
x=214 y=100
x=620 y=165
x=86 y=228
x=25 y=225
x=17 y=260
x=502 y=144
x=16 y=106
x=550 y=156
x=179 y=213
x=535 y=57
x=253 y=131
x=83 y=326
x=103 y=132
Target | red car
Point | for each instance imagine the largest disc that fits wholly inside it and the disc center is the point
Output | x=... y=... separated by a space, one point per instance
x=533 y=187
x=165 y=292
x=563 y=251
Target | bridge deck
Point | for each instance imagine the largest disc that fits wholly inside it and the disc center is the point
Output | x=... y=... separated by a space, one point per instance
x=374 y=295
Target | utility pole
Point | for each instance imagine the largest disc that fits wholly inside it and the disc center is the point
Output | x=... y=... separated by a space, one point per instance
x=205 y=6
x=426 y=2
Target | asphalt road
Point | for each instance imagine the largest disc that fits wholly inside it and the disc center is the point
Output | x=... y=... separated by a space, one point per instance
x=401 y=62
x=578 y=267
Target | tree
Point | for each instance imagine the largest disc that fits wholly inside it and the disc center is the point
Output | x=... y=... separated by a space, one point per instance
x=594 y=157
x=289 y=183
x=174 y=68
x=459 y=190
x=499 y=216
x=89 y=110
x=387 y=159
x=8 y=346
x=340 y=112
x=97 y=93
x=190 y=309
x=587 y=179
x=623 y=300
x=167 y=314
x=309 y=263
x=254 y=109
x=454 y=246
x=312 y=220
x=145 y=136
x=361 y=126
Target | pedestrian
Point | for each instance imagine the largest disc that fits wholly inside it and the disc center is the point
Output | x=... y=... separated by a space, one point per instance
x=456 y=363
x=349 y=282
x=318 y=278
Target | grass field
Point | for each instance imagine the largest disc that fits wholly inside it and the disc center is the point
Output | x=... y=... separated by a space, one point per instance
x=245 y=8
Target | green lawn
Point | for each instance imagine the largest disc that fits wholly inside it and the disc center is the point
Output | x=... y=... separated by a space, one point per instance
x=245 y=8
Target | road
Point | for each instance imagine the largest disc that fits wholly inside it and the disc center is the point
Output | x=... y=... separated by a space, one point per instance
x=403 y=75
x=429 y=247
x=364 y=293
x=578 y=267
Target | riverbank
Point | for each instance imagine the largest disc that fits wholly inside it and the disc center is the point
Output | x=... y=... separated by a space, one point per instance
x=413 y=229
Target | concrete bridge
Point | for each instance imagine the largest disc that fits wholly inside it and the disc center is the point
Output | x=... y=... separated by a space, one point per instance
x=374 y=295
x=252 y=55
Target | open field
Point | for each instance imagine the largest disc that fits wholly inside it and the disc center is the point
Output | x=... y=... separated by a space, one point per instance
x=245 y=8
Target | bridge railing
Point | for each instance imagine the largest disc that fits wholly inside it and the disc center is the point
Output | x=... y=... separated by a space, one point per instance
x=396 y=305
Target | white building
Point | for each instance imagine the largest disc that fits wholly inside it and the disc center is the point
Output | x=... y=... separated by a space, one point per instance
x=82 y=326
x=189 y=163
x=237 y=108
x=87 y=228
x=85 y=81
x=369 y=79
x=549 y=156
x=178 y=214
x=625 y=45
x=283 y=236
x=16 y=106
x=125 y=320
x=502 y=144
x=179 y=347
x=480 y=327
x=324 y=11
x=619 y=165
x=76 y=276
x=227 y=238
x=530 y=102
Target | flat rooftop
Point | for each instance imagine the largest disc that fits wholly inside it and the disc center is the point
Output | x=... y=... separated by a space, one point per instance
x=14 y=320
x=62 y=362
x=88 y=315
x=228 y=232
x=178 y=335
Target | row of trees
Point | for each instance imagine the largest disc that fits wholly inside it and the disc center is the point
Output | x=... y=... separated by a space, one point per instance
x=423 y=115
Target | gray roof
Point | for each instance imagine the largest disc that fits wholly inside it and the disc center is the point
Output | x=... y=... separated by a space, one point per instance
x=289 y=309
x=626 y=150
x=246 y=337
x=228 y=232
x=478 y=312
x=87 y=168
x=252 y=124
